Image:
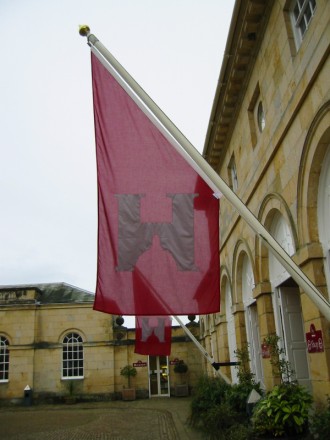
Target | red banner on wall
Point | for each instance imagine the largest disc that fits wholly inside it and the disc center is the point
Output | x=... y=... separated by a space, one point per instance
x=314 y=340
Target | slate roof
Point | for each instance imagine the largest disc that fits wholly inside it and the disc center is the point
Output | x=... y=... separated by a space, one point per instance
x=55 y=293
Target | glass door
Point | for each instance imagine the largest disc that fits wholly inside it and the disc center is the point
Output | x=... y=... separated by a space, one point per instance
x=158 y=376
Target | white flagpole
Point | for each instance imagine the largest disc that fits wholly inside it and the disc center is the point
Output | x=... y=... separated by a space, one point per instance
x=201 y=166
x=203 y=351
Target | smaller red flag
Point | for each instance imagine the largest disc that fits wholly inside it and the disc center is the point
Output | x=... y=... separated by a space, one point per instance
x=153 y=335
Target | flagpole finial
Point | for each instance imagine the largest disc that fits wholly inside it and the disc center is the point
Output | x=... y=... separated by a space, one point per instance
x=84 y=30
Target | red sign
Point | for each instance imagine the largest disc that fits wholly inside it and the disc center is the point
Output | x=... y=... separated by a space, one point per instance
x=139 y=364
x=314 y=340
x=265 y=353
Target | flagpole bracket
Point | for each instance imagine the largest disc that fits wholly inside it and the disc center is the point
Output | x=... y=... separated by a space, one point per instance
x=217 y=365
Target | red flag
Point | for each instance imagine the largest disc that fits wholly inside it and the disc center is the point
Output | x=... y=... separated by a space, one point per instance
x=158 y=230
x=153 y=335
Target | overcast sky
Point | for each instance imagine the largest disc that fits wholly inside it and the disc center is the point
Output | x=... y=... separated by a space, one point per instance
x=173 y=49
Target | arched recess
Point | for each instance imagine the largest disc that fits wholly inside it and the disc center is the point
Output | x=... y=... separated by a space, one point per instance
x=286 y=294
x=314 y=189
x=244 y=285
x=324 y=214
x=312 y=159
x=241 y=246
x=227 y=304
x=271 y=207
x=224 y=281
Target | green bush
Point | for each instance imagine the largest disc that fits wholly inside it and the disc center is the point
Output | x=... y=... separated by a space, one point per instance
x=320 y=423
x=128 y=371
x=217 y=408
x=283 y=412
x=208 y=392
x=237 y=396
x=180 y=367
x=239 y=432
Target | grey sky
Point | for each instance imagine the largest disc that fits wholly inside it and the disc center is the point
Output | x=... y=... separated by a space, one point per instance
x=173 y=49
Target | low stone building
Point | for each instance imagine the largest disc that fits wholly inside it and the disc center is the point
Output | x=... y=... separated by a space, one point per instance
x=54 y=343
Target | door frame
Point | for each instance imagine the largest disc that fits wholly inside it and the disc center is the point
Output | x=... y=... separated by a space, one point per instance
x=161 y=375
x=283 y=322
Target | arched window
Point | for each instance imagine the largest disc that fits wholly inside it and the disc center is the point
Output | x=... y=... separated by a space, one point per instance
x=4 y=359
x=73 y=356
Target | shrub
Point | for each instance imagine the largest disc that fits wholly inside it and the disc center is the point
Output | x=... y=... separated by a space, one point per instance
x=208 y=393
x=283 y=411
x=219 y=409
x=128 y=371
x=320 y=423
x=180 y=367
x=237 y=397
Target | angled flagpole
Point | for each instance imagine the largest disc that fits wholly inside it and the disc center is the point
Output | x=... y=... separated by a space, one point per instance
x=201 y=166
x=203 y=351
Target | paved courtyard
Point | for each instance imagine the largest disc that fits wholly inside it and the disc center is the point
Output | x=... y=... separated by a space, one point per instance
x=148 y=419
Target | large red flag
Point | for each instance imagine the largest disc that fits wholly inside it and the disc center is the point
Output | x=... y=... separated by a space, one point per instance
x=158 y=230
x=153 y=335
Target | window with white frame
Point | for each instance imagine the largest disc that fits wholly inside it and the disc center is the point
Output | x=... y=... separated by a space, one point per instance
x=4 y=359
x=72 y=356
x=302 y=12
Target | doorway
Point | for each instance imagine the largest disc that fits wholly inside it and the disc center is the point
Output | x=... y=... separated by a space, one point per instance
x=291 y=330
x=252 y=327
x=158 y=376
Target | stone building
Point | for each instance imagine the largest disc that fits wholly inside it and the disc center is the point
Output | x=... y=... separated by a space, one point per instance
x=268 y=138
x=53 y=342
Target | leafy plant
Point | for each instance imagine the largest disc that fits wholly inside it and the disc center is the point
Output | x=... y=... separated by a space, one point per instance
x=180 y=367
x=208 y=393
x=320 y=423
x=219 y=409
x=71 y=386
x=281 y=367
x=244 y=374
x=128 y=371
x=283 y=411
x=219 y=419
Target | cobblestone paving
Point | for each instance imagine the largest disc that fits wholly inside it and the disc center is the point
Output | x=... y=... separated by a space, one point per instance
x=88 y=424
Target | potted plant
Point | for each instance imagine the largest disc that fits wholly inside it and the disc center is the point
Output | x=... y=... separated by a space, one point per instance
x=128 y=393
x=71 y=387
x=182 y=388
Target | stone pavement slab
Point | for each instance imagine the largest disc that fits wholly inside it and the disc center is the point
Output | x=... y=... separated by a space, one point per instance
x=147 y=419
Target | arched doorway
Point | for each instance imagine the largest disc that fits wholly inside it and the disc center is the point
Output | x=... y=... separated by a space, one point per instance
x=323 y=213
x=251 y=320
x=287 y=306
x=231 y=332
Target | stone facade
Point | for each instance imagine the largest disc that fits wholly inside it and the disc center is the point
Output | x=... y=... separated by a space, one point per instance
x=34 y=320
x=269 y=139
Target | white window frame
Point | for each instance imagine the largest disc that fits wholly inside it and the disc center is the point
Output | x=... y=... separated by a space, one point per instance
x=4 y=359
x=301 y=14
x=72 y=356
